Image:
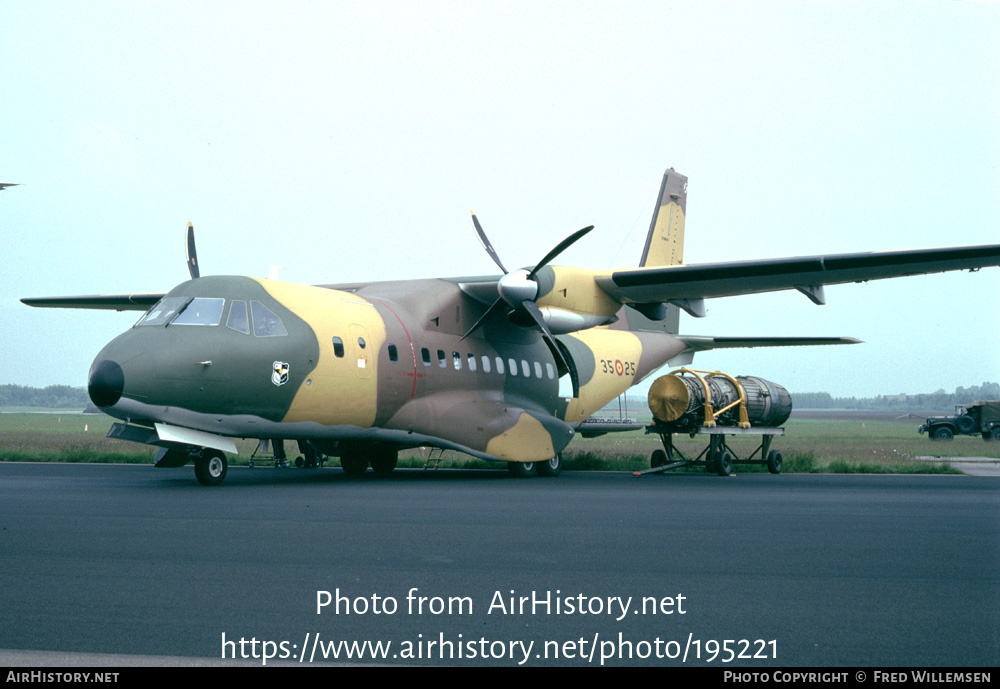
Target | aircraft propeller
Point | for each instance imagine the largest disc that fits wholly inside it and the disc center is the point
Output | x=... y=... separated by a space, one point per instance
x=519 y=289
x=192 y=254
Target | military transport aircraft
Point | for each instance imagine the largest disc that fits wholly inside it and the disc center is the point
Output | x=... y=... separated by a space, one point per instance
x=504 y=368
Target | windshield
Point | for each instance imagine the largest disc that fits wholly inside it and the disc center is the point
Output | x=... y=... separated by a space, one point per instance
x=163 y=311
x=200 y=311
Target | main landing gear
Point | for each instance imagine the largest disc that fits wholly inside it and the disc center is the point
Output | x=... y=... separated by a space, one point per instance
x=550 y=467
x=355 y=458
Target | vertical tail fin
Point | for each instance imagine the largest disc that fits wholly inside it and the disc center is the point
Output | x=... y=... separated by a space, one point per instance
x=664 y=247
x=665 y=241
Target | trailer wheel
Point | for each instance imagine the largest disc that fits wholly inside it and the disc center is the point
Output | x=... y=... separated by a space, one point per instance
x=774 y=462
x=657 y=459
x=210 y=470
x=724 y=463
x=710 y=461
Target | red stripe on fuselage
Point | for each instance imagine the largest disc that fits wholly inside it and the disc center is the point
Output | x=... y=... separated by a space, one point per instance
x=413 y=351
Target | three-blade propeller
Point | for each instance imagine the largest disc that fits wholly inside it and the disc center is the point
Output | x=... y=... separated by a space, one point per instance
x=519 y=289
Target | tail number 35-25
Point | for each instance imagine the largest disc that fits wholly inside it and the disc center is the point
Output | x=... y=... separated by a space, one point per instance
x=618 y=367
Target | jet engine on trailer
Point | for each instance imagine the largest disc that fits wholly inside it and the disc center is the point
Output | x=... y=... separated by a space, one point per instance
x=684 y=400
x=716 y=404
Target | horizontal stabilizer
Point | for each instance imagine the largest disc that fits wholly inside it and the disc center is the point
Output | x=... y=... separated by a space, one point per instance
x=107 y=302
x=701 y=343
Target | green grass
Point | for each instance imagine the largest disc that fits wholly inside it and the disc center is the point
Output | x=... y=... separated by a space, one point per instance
x=810 y=445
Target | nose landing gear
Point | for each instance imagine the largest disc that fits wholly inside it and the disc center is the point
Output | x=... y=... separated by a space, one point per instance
x=211 y=467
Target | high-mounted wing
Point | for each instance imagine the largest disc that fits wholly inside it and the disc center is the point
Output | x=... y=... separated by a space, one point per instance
x=689 y=283
x=108 y=302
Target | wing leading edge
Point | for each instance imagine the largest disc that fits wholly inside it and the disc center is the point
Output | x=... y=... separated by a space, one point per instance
x=108 y=302
x=806 y=274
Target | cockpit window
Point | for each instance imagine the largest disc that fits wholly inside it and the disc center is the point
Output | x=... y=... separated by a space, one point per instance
x=265 y=323
x=238 y=317
x=200 y=311
x=163 y=311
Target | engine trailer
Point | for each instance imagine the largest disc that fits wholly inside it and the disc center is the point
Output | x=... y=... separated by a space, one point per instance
x=712 y=403
x=717 y=456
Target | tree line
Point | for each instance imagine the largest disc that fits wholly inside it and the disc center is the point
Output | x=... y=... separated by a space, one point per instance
x=66 y=397
x=54 y=396
x=939 y=400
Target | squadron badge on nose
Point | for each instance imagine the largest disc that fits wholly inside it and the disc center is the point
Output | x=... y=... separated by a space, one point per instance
x=280 y=374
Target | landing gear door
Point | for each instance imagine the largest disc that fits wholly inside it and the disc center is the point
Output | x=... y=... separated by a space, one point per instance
x=361 y=348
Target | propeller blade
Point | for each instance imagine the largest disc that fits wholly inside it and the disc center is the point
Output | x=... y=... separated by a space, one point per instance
x=562 y=246
x=486 y=243
x=482 y=319
x=192 y=254
x=533 y=310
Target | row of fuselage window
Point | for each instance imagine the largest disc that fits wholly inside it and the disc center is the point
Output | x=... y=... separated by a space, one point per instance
x=484 y=363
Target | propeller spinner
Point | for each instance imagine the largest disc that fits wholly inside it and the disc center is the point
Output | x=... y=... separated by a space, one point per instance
x=519 y=289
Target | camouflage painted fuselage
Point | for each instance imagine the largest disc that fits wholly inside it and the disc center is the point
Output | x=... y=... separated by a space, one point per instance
x=383 y=363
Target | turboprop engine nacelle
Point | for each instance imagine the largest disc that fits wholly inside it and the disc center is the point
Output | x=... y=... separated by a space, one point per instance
x=686 y=398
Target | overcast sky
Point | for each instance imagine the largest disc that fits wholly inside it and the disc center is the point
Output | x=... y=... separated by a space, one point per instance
x=348 y=142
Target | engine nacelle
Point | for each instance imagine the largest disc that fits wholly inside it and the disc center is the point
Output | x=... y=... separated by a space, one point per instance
x=687 y=399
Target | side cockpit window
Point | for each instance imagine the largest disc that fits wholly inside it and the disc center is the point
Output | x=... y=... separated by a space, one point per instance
x=265 y=323
x=200 y=311
x=239 y=319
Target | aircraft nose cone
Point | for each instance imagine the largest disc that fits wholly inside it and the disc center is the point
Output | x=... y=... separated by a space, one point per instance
x=107 y=380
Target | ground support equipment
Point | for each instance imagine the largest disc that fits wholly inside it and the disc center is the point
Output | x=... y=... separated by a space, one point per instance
x=718 y=456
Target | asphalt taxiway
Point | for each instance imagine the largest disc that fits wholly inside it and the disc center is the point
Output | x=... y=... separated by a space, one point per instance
x=834 y=570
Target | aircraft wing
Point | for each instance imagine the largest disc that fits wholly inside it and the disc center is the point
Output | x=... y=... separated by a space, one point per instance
x=806 y=274
x=109 y=302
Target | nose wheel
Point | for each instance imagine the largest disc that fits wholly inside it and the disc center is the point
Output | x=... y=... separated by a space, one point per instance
x=210 y=469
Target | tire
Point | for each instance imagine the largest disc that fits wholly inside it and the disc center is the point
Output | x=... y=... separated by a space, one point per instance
x=384 y=461
x=354 y=465
x=657 y=459
x=724 y=463
x=943 y=433
x=711 y=461
x=995 y=434
x=551 y=467
x=522 y=469
x=774 y=462
x=965 y=424
x=211 y=468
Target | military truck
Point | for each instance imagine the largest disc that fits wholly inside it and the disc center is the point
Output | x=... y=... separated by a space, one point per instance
x=981 y=418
